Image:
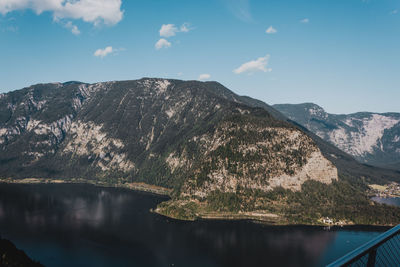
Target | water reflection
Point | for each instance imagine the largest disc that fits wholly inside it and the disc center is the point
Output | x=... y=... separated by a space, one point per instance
x=82 y=225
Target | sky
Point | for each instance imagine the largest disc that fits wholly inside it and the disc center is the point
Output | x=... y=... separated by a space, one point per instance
x=343 y=55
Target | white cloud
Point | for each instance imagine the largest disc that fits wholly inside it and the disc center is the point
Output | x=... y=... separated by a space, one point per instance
x=259 y=64
x=185 y=27
x=38 y=6
x=92 y=11
x=305 y=20
x=74 y=29
x=162 y=43
x=394 y=12
x=103 y=52
x=168 y=30
x=204 y=76
x=271 y=30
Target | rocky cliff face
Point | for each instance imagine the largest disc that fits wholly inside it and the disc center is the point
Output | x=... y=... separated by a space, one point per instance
x=370 y=137
x=254 y=156
x=194 y=136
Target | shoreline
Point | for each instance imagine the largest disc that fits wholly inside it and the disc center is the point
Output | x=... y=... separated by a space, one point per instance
x=253 y=216
x=363 y=227
x=137 y=186
x=267 y=219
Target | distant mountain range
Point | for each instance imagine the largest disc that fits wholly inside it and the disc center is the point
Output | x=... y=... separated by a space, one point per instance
x=372 y=138
x=217 y=152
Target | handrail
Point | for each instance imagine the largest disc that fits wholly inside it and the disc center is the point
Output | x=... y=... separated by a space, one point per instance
x=368 y=248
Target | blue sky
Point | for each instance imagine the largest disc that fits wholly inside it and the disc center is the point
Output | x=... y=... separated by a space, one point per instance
x=341 y=54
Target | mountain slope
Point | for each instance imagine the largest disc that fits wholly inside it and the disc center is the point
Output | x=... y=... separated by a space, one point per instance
x=371 y=138
x=11 y=256
x=133 y=129
x=217 y=152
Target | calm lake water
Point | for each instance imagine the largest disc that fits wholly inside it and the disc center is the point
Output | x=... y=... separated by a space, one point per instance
x=84 y=225
x=393 y=201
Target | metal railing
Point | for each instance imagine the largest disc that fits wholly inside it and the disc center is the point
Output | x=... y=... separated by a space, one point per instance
x=384 y=250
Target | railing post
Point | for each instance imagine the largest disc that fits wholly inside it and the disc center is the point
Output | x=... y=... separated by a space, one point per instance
x=371 y=258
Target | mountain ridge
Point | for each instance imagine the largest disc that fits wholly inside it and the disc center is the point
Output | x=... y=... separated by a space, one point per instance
x=372 y=138
x=216 y=151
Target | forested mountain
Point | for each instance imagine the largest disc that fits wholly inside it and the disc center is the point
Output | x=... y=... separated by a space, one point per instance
x=216 y=151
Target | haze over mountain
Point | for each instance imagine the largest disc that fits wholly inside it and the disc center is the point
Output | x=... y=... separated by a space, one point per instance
x=372 y=138
x=215 y=150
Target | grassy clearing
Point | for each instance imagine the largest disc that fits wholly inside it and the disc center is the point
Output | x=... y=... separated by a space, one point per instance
x=378 y=187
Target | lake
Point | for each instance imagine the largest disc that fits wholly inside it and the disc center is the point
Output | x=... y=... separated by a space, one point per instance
x=393 y=201
x=85 y=225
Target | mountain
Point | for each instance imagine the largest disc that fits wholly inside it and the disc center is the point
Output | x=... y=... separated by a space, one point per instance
x=217 y=153
x=371 y=138
x=11 y=256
